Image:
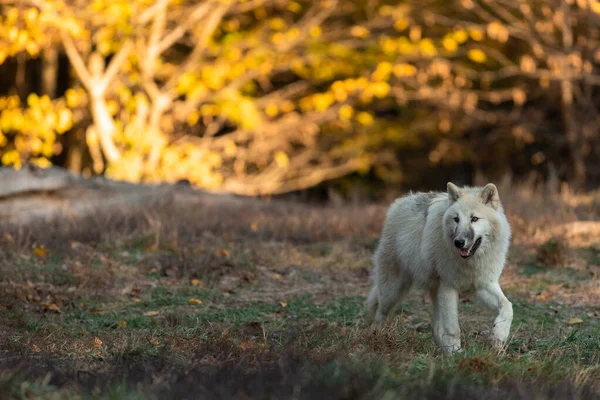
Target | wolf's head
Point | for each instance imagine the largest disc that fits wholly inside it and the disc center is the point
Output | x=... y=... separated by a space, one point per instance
x=471 y=222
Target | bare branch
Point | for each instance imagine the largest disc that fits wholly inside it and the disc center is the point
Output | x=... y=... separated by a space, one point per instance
x=178 y=32
x=76 y=61
x=115 y=65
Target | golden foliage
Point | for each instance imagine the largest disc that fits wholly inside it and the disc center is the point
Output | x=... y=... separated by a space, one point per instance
x=219 y=92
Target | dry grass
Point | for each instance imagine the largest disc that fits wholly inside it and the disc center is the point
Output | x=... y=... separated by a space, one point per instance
x=212 y=297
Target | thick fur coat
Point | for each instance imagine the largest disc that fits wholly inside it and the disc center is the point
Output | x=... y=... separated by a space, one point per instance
x=446 y=243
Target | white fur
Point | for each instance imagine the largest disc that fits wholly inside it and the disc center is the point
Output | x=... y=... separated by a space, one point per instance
x=417 y=247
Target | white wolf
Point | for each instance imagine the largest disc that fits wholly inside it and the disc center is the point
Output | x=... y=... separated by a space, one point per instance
x=446 y=243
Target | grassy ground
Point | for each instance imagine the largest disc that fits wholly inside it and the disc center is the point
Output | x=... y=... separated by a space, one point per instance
x=246 y=299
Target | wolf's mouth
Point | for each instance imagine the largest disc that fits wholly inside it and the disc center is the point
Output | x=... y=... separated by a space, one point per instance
x=468 y=253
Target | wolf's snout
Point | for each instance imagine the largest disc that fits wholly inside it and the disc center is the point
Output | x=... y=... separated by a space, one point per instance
x=459 y=243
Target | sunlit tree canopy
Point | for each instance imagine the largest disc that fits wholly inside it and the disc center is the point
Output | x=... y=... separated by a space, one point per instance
x=270 y=96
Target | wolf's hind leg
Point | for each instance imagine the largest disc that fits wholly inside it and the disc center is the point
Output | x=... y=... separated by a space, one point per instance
x=393 y=286
x=372 y=304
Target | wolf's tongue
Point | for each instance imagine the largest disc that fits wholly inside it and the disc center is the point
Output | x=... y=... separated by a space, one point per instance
x=464 y=252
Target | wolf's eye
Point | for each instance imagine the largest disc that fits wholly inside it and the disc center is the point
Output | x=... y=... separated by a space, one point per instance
x=474 y=219
x=456 y=219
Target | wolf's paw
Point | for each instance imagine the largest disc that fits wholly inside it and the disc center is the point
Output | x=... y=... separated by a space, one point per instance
x=500 y=333
x=451 y=349
x=499 y=345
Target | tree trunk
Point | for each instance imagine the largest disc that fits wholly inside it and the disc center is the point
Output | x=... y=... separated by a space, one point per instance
x=573 y=132
x=105 y=128
x=49 y=71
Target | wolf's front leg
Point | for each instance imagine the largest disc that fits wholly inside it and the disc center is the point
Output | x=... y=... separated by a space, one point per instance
x=446 y=330
x=491 y=295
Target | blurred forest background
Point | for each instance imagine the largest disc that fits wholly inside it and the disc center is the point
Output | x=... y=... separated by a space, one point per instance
x=264 y=97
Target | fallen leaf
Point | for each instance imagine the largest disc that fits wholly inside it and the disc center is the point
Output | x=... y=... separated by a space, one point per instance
x=97 y=342
x=543 y=296
x=224 y=252
x=276 y=276
x=136 y=299
x=196 y=282
x=575 y=321
x=195 y=301
x=36 y=349
x=154 y=341
x=245 y=345
x=154 y=270
x=51 y=307
x=283 y=304
x=151 y=313
x=122 y=324
x=254 y=227
x=40 y=251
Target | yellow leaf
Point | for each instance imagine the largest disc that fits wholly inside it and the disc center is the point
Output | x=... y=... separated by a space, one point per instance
x=401 y=24
x=97 y=342
x=282 y=159
x=359 y=31
x=401 y=70
x=427 y=47
x=72 y=97
x=151 y=313
x=154 y=341
x=315 y=31
x=64 y=120
x=346 y=112
x=195 y=301
x=449 y=44
x=461 y=36
x=33 y=100
x=575 y=321
x=477 y=55
x=382 y=72
x=380 y=89
x=30 y=15
x=364 y=118
x=254 y=227
x=51 y=307
x=41 y=162
x=271 y=110
x=40 y=251
x=277 y=24
x=36 y=349
x=224 y=252
x=415 y=33
x=193 y=118
x=122 y=324
x=476 y=35
x=283 y=304
x=276 y=276
x=196 y=282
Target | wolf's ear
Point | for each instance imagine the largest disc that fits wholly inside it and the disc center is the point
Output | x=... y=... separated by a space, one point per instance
x=489 y=196
x=454 y=192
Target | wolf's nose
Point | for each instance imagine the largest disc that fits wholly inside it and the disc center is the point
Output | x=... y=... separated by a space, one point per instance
x=459 y=243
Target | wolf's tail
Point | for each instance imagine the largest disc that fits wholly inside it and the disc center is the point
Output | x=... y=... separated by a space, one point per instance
x=371 y=304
